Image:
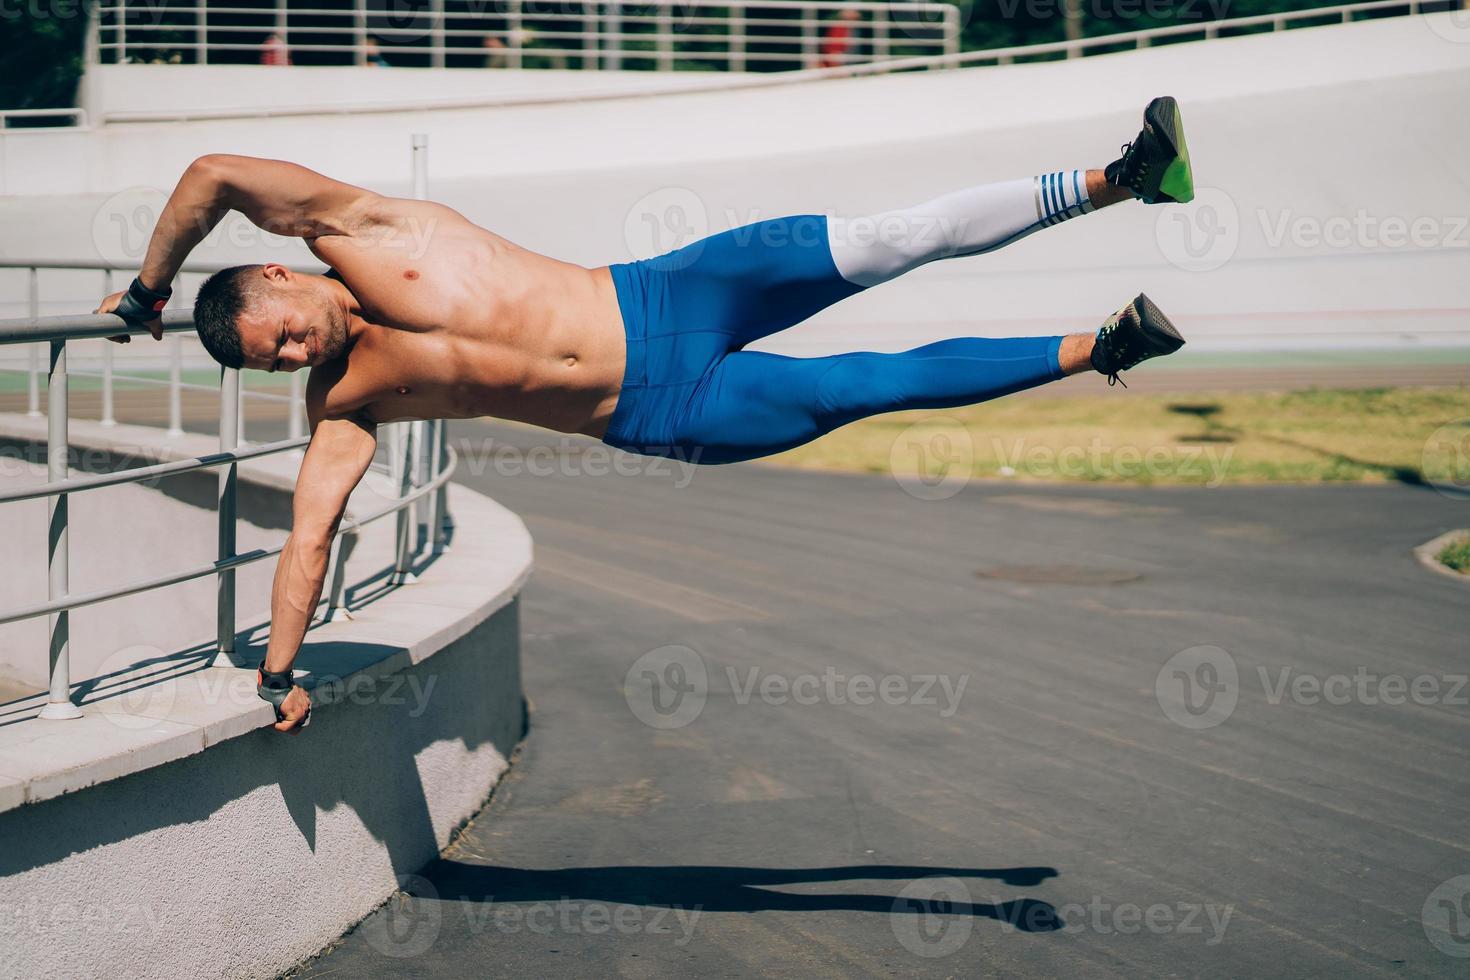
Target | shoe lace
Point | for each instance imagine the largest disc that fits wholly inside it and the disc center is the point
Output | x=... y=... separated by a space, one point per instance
x=1133 y=175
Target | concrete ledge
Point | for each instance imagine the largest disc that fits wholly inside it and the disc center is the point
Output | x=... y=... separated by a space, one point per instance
x=121 y=833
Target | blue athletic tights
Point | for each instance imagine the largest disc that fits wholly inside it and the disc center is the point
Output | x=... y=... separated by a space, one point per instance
x=690 y=391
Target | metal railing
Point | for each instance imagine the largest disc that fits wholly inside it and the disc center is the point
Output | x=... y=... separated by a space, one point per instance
x=1082 y=47
x=664 y=35
x=420 y=463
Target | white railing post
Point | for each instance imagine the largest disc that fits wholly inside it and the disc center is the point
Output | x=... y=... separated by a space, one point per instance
x=809 y=34
x=433 y=509
x=201 y=32
x=951 y=30
x=735 y=39
x=58 y=703
x=359 y=33
x=664 y=25
x=336 y=584
x=882 y=33
x=296 y=417
x=229 y=432
x=515 y=34
x=436 y=34
x=175 y=393
x=108 y=418
x=33 y=351
x=612 y=24
x=401 y=450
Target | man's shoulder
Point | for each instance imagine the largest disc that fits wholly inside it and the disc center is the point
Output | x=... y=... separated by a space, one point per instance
x=335 y=391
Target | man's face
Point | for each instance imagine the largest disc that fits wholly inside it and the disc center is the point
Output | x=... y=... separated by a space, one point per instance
x=288 y=325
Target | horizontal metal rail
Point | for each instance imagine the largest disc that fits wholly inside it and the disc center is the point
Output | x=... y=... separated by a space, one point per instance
x=406 y=465
x=1342 y=13
x=225 y=564
x=84 y=326
x=141 y=474
x=597 y=33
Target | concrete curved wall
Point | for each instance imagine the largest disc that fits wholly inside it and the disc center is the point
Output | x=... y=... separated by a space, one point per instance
x=170 y=832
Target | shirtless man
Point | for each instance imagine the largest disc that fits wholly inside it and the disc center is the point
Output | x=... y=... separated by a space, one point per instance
x=426 y=315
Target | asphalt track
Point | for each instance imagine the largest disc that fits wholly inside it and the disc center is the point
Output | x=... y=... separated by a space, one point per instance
x=910 y=737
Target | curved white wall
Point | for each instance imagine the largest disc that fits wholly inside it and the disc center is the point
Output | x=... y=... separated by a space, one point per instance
x=1354 y=132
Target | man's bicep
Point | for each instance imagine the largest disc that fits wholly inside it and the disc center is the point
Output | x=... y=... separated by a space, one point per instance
x=286 y=198
x=338 y=455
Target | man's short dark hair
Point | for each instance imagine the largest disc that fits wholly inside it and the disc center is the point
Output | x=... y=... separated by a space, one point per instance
x=222 y=298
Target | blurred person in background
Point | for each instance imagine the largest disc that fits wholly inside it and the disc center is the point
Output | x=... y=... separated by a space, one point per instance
x=837 y=39
x=273 y=50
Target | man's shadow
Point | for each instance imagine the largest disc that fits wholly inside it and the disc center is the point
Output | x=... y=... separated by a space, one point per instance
x=732 y=889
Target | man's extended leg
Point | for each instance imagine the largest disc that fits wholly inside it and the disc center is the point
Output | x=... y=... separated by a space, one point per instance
x=755 y=404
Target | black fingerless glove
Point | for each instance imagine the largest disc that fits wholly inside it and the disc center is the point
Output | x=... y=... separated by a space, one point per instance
x=274 y=687
x=141 y=304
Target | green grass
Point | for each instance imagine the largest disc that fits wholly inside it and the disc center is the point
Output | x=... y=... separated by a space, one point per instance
x=1456 y=555
x=1409 y=435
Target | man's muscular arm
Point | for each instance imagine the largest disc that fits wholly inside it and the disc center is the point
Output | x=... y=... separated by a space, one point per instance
x=282 y=198
x=336 y=459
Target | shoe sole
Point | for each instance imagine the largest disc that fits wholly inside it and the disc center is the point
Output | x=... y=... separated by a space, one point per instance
x=1177 y=184
x=1160 y=332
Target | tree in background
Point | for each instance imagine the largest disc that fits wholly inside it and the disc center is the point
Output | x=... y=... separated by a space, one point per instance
x=42 y=42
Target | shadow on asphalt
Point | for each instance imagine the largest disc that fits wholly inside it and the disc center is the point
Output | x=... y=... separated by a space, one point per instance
x=734 y=889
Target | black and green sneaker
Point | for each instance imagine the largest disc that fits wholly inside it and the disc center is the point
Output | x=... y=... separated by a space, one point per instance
x=1131 y=336
x=1156 y=165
